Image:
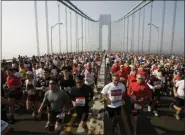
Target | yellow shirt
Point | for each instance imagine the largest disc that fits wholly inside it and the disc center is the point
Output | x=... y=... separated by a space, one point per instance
x=23 y=73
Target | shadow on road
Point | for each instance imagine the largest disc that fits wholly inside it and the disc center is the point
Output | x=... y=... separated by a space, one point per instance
x=170 y=132
x=30 y=133
x=144 y=121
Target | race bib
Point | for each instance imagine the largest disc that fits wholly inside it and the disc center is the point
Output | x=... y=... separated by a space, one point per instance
x=122 y=79
x=80 y=101
x=67 y=88
x=31 y=92
x=116 y=99
x=137 y=107
x=116 y=95
x=157 y=86
x=61 y=116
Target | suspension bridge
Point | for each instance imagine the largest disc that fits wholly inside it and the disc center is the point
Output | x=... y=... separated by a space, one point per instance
x=128 y=34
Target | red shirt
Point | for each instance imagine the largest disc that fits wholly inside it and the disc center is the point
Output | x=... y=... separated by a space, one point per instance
x=142 y=72
x=115 y=68
x=97 y=59
x=140 y=91
x=123 y=74
x=13 y=81
x=126 y=70
x=131 y=78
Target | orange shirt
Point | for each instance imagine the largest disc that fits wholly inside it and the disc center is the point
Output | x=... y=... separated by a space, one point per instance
x=74 y=69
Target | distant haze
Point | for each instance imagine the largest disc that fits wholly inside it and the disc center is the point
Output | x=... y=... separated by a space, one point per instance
x=19 y=35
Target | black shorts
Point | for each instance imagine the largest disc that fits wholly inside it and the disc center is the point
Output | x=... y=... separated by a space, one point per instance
x=113 y=111
x=17 y=95
x=135 y=112
x=179 y=102
x=156 y=95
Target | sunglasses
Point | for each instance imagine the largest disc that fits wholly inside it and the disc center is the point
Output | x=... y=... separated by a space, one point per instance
x=51 y=83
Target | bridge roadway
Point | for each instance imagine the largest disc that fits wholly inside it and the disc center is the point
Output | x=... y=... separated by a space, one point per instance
x=148 y=124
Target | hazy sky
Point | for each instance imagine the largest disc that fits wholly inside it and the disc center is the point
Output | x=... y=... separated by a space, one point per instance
x=19 y=35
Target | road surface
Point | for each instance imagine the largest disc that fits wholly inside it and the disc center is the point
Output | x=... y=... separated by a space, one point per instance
x=148 y=123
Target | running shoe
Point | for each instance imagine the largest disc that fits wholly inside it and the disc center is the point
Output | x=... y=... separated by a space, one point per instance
x=47 y=125
x=155 y=113
x=177 y=116
x=149 y=109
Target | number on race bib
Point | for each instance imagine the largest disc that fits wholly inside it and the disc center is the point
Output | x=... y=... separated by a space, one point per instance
x=80 y=101
x=137 y=107
x=116 y=99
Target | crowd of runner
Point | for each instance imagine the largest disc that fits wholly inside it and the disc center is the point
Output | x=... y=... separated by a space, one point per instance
x=61 y=84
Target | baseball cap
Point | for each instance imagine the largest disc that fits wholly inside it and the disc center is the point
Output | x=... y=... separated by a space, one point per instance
x=29 y=73
x=79 y=78
x=121 y=66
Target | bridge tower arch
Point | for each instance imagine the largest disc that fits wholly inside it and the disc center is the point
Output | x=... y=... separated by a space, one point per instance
x=105 y=19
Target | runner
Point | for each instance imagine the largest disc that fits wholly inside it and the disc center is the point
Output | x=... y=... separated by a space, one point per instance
x=81 y=96
x=139 y=93
x=155 y=84
x=15 y=92
x=32 y=102
x=114 y=95
x=179 y=90
x=56 y=101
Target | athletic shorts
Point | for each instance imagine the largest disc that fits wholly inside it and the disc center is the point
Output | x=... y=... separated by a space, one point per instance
x=34 y=97
x=113 y=111
x=17 y=95
x=179 y=102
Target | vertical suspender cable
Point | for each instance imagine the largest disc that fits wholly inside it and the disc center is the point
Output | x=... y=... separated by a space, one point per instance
x=59 y=27
x=143 y=29
x=150 y=31
x=71 y=31
x=36 y=28
x=127 y=32
x=77 y=35
x=76 y=32
x=85 y=35
x=162 y=29
x=173 y=28
x=66 y=31
x=82 y=32
x=120 y=29
x=123 y=35
x=139 y=30
x=88 y=37
x=47 y=26
x=133 y=20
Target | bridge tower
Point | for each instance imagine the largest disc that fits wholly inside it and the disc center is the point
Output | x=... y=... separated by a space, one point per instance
x=105 y=19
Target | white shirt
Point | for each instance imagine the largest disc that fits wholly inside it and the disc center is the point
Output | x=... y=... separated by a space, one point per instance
x=89 y=76
x=54 y=72
x=34 y=72
x=107 y=60
x=180 y=89
x=115 y=94
x=39 y=72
